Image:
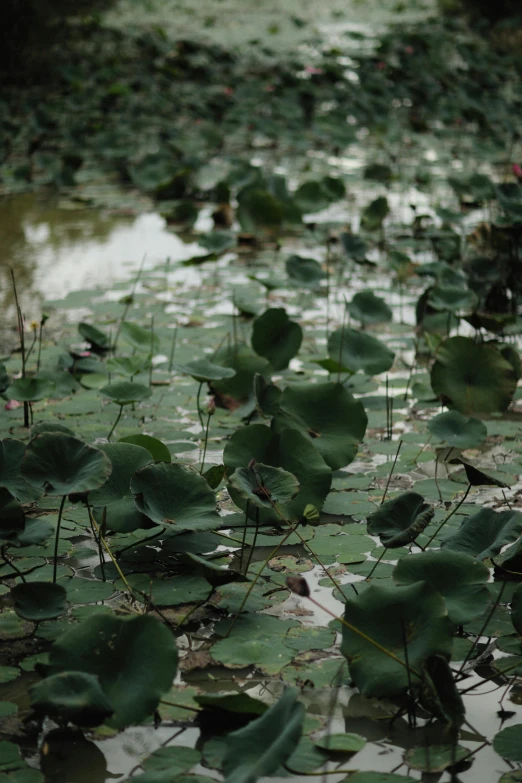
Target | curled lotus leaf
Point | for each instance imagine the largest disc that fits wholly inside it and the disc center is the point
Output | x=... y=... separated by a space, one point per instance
x=367 y=308
x=400 y=520
x=264 y=486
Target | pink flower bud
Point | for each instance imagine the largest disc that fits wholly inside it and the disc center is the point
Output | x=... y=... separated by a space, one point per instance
x=517 y=170
x=12 y=405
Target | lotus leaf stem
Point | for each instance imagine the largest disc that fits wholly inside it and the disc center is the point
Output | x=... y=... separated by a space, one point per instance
x=11 y=564
x=391 y=472
x=205 y=443
x=115 y=423
x=57 y=539
x=108 y=550
x=197 y=406
x=453 y=511
x=377 y=562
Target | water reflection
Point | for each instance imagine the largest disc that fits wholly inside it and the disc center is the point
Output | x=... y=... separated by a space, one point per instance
x=55 y=251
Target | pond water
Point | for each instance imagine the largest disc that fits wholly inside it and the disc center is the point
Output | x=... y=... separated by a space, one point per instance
x=77 y=262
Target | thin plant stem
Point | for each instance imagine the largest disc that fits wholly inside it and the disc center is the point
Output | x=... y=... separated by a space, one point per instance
x=11 y=564
x=198 y=396
x=459 y=504
x=180 y=706
x=362 y=635
x=391 y=472
x=416 y=457
x=272 y=554
x=35 y=333
x=40 y=332
x=173 y=347
x=151 y=349
x=108 y=550
x=20 y=320
x=243 y=545
x=205 y=443
x=115 y=423
x=488 y=618
x=377 y=563
x=341 y=345
x=57 y=538
x=253 y=545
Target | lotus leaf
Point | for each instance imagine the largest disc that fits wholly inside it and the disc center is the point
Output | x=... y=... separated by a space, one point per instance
x=516 y=609
x=374 y=214
x=483 y=534
x=354 y=351
x=288 y=449
x=139 y=338
x=435 y=758
x=276 y=337
x=136 y=650
x=115 y=495
x=94 y=336
x=472 y=377
x=174 y=758
x=461 y=432
x=62 y=465
x=38 y=601
x=388 y=616
x=263 y=485
x=508 y=742
x=341 y=743
x=204 y=370
x=306 y=272
x=246 y=365
x=170 y=494
x=259 y=209
x=29 y=389
x=326 y=414
x=267 y=396
x=126 y=392
x=72 y=696
x=264 y=745
x=459 y=578
x=156 y=448
x=400 y=520
x=367 y=308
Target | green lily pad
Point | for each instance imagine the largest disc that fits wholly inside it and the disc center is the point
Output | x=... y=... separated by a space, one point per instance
x=29 y=389
x=341 y=743
x=400 y=520
x=382 y=614
x=11 y=455
x=327 y=415
x=508 y=742
x=138 y=650
x=485 y=533
x=367 y=308
x=472 y=377
x=62 y=465
x=260 y=748
x=459 y=578
x=263 y=485
x=172 y=495
x=174 y=758
x=354 y=351
x=305 y=272
x=204 y=370
x=72 y=696
x=461 y=432
x=38 y=601
x=139 y=338
x=290 y=450
x=156 y=448
x=435 y=758
x=276 y=338
x=126 y=392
